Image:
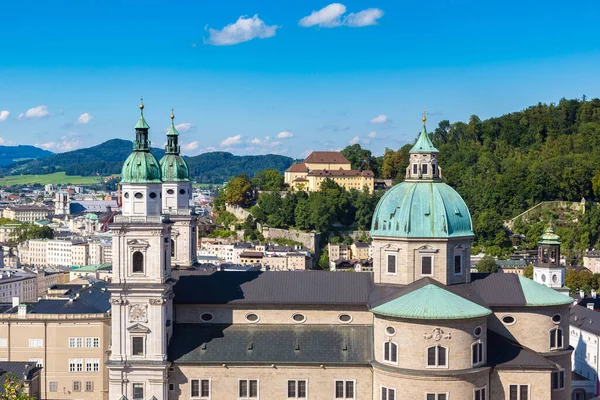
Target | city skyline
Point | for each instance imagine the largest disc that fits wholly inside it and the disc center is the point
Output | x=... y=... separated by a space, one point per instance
x=260 y=77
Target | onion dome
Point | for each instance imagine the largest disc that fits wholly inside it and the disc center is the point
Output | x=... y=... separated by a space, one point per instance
x=549 y=237
x=141 y=166
x=173 y=166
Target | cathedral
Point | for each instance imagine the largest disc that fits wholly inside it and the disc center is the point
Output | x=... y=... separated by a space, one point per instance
x=421 y=326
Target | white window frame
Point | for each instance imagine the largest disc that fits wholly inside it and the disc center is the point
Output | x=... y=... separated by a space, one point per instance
x=257 y=389
x=390 y=343
x=562 y=340
x=479 y=389
x=457 y=254
x=76 y=365
x=3 y=342
x=143 y=389
x=388 y=390
x=200 y=389
x=92 y=342
x=437 y=346
x=143 y=337
x=481 y=360
x=345 y=380
x=387 y=269
x=36 y=343
x=92 y=364
x=518 y=385
x=561 y=384
x=430 y=255
x=305 y=380
x=436 y=394
x=39 y=362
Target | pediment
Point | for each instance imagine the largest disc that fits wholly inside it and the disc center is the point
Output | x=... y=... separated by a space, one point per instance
x=427 y=249
x=138 y=328
x=138 y=243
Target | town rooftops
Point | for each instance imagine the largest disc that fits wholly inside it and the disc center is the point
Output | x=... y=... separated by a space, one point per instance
x=22 y=370
x=585 y=319
x=326 y=157
x=504 y=353
x=92 y=268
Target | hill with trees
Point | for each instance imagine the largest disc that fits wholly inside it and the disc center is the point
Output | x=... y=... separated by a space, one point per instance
x=12 y=154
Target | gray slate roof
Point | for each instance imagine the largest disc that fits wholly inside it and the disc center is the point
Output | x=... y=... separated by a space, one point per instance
x=585 y=319
x=295 y=344
x=23 y=370
x=503 y=353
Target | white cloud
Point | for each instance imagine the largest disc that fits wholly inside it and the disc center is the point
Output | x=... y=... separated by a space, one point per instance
x=380 y=119
x=255 y=141
x=232 y=141
x=184 y=127
x=326 y=17
x=363 y=18
x=365 y=141
x=84 y=118
x=4 y=114
x=35 y=112
x=67 y=143
x=46 y=146
x=372 y=135
x=284 y=135
x=243 y=30
x=354 y=140
x=274 y=144
x=5 y=142
x=191 y=146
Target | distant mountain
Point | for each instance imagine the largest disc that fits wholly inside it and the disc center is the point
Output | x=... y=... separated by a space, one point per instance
x=107 y=158
x=12 y=154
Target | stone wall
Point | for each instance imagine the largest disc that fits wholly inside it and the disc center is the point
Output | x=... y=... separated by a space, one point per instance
x=238 y=211
x=310 y=240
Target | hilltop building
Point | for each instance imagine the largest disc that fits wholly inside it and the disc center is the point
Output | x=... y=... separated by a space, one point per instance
x=320 y=165
x=421 y=326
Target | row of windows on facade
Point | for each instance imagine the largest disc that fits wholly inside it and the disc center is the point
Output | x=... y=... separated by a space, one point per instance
x=426 y=264
x=77 y=342
x=89 y=386
x=91 y=365
x=152 y=195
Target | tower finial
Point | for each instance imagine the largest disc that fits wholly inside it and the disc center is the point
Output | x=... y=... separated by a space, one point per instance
x=141 y=103
x=424 y=116
x=172 y=114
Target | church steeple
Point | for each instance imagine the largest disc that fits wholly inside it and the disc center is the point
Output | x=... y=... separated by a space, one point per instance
x=141 y=131
x=172 y=146
x=423 y=158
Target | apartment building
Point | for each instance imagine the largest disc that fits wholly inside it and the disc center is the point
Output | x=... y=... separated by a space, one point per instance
x=26 y=213
x=80 y=254
x=17 y=284
x=67 y=337
x=584 y=331
x=339 y=251
x=361 y=250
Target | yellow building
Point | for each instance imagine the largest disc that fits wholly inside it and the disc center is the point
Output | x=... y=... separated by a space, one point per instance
x=321 y=165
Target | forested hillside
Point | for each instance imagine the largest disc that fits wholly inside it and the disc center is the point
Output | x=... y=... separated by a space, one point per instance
x=11 y=154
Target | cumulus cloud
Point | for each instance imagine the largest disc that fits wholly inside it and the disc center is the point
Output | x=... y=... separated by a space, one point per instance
x=363 y=18
x=35 y=113
x=66 y=143
x=327 y=17
x=243 y=30
x=372 y=135
x=332 y=16
x=255 y=141
x=354 y=140
x=3 y=115
x=5 y=142
x=380 y=119
x=232 y=141
x=191 y=146
x=184 y=127
x=284 y=135
x=84 y=118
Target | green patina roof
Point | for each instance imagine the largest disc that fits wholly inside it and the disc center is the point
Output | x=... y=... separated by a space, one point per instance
x=90 y=268
x=172 y=130
x=422 y=209
x=174 y=168
x=141 y=167
x=549 y=237
x=141 y=124
x=431 y=302
x=91 y=216
x=537 y=294
x=423 y=144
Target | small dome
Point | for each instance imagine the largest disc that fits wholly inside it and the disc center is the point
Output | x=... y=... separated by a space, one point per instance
x=422 y=210
x=141 y=167
x=174 y=168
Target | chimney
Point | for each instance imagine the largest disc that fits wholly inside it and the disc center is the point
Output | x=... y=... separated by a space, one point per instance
x=590 y=306
x=15 y=301
x=593 y=294
x=582 y=294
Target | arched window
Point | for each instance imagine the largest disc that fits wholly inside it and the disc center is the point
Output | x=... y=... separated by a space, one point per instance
x=437 y=357
x=556 y=339
x=477 y=353
x=390 y=352
x=138 y=262
x=172 y=248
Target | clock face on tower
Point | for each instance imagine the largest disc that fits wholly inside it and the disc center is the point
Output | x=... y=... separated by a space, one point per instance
x=138 y=313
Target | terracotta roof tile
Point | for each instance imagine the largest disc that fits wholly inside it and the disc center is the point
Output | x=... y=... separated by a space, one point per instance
x=299 y=167
x=330 y=157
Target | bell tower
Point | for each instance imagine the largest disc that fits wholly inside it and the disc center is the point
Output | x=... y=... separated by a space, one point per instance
x=423 y=164
x=548 y=270
x=176 y=196
x=141 y=290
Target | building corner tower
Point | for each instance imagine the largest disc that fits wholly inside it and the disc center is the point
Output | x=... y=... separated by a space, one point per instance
x=141 y=290
x=176 y=195
x=548 y=270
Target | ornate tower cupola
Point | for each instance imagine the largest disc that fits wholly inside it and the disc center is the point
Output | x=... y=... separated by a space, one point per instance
x=140 y=176
x=423 y=158
x=548 y=270
x=176 y=196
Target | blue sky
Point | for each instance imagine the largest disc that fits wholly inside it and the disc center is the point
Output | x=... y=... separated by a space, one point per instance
x=285 y=77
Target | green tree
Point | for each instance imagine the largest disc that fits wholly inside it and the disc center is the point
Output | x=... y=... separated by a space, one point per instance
x=487 y=264
x=528 y=271
x=359 y=158
x=13 y=389
x=269 y=180
x=324 y=259
x=239 y=191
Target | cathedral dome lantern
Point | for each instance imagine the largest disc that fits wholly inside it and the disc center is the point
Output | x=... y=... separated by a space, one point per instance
x=173 y=166
x=548 y=270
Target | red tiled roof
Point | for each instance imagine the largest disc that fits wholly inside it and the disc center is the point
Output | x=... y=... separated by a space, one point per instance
x=341 y=172
x=329 y=157
x=300 y=167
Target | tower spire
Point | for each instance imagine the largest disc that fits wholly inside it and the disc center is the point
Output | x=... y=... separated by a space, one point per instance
x=172 y=146
x=141 y=131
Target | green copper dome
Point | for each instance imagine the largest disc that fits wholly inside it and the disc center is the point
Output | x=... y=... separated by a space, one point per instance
x=549 y=237
x=174 y=168
x=422 y=210
x=141 y=166
x=423 y=144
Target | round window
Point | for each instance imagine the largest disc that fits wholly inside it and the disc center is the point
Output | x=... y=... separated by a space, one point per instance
x=345 y=318
x=138 y=195
x=299 y=317
x=543 y=277
x=554 y=278
x=170 y=191
x=508 y=319
x=556 y=318
x=252 y=317
x=390 y=331
x=206 y=317
x=477 y=331
x=126 y=195
x=152 y=195
x=181 y=191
